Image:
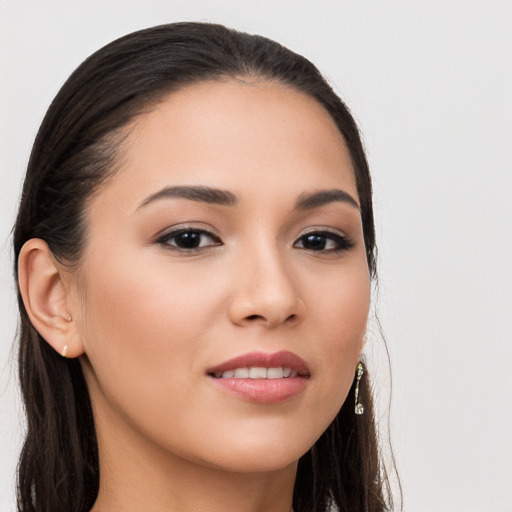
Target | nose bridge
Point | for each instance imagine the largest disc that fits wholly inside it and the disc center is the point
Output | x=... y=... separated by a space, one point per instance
x=267 y=290
x=271 y=274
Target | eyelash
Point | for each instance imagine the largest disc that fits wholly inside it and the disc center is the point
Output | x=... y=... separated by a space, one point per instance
x=167 y=237
x=342 y=242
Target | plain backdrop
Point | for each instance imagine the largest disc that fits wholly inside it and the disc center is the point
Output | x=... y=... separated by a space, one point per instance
x=430 y=84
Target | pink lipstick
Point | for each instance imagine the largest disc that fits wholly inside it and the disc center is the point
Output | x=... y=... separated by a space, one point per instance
x=262 y=377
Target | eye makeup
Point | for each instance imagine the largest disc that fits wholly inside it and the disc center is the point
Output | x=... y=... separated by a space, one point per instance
x=325 y=241
x=188 y=239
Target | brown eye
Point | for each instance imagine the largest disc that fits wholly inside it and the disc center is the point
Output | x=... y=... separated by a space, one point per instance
x=314 y=242
x=189 y=239
x=324 y=241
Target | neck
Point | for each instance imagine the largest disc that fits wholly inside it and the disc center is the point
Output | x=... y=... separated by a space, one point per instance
x=137 y=475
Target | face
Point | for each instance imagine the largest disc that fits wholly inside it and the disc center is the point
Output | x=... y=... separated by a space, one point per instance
x=224 y=288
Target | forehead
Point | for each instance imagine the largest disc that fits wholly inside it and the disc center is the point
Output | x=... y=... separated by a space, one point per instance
x=242 y=136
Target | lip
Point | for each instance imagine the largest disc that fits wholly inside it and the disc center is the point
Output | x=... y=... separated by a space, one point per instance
x=282 y=359
x=263 y=391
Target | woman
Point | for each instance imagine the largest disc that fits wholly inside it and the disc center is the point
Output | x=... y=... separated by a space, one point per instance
x=194 y=251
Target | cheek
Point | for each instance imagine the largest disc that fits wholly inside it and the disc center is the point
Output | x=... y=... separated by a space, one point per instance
x=144 y=322
x=346 y=306
x=341 y=322
x=341 y=304
x=144 y=336
x=130 y=302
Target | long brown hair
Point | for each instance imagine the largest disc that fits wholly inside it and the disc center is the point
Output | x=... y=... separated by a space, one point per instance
x=74 y=152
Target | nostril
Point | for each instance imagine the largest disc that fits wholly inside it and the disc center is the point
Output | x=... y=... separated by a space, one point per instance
x=290 y=318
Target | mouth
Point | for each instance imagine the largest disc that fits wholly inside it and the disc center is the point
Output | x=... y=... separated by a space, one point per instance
x=257 y=372
x=261 y=377
x=261 y=365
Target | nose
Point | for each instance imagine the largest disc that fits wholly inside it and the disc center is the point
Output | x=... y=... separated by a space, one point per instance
x=266 y=292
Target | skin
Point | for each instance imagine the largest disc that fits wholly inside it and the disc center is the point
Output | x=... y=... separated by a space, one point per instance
x=148 y=319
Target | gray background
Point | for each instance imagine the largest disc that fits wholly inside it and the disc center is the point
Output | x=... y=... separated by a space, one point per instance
x=430 y=84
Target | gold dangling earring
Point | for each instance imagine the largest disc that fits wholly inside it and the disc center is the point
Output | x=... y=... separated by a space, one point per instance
x=359 y=409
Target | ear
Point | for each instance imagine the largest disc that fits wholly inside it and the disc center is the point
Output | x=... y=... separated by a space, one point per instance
x=45 y=297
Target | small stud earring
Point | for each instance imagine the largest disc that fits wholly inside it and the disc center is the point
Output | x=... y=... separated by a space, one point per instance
x=64 y=351
x=69 y=317
x=359 y=409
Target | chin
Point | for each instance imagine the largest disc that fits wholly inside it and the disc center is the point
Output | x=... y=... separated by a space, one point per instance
x=258 y=463
x=257 y=454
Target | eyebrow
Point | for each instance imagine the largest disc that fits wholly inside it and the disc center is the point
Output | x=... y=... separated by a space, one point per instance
x=323 y=197
x=194 y=193
x=225 y=198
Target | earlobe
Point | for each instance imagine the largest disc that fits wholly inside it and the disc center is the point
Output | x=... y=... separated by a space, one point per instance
x=46 y=299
